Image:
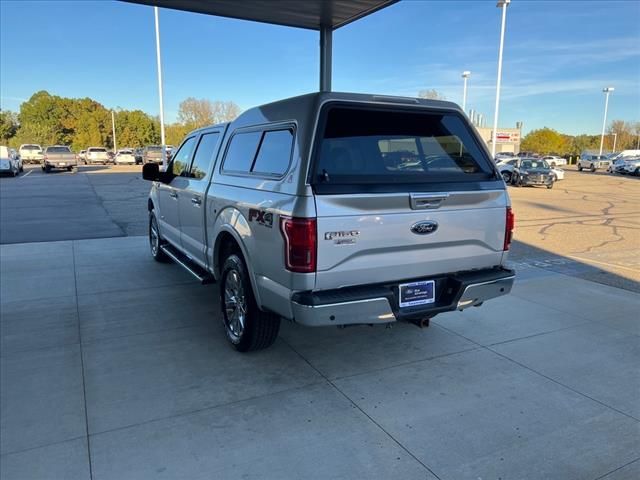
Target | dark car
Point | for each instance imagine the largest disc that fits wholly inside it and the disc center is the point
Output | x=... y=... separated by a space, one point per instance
x=532 y=171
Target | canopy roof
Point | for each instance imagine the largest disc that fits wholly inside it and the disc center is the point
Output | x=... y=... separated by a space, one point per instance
x=311 y=14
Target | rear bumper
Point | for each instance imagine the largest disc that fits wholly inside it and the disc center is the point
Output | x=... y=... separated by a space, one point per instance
x=372 y=304
x=65 y=164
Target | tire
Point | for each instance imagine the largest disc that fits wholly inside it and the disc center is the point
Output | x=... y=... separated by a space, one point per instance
x=636 y=172
x=155 y=240
x=593 y=168
x=506 y=176
x=246 y=326
x=550 y=186
x=579 y=167
x=69 y=169
x=47 y=169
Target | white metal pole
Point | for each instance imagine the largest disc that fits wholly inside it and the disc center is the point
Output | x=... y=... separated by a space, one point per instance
x=615 y=139
x=464 y=95
x=113 y=128
x=495 y=116
x=604 y=120
x=162 y=140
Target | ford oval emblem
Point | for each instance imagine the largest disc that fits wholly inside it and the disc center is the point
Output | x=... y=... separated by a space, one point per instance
x=424 y=228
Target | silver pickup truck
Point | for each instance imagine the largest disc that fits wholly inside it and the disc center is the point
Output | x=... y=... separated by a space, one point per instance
x=59 y=156
x=335 y=209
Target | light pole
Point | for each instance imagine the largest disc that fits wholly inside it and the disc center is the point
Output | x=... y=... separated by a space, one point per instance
x=615 y=139
x=606 y=91
x=162 y=141
x=465 y=75
x=501 y=4
x=113 y=128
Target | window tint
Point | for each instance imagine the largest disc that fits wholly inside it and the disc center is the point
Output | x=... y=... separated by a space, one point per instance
x=241 y=152
x=58 y=150
x=275 y=153
x=183 y=157
x=384 y=146
x=204 y=155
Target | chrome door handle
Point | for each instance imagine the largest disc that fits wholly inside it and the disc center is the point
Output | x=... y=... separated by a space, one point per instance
x=419 y=201
x=173 y=194
x=196 y=201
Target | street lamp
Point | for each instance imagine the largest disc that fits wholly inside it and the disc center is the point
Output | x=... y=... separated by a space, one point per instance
x=606 y=91
x=164 y=152
x=465 y=75
x=113 y=129
x=501 y=4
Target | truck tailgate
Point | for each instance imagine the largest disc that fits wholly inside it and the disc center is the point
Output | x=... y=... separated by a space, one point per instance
x=380 y=238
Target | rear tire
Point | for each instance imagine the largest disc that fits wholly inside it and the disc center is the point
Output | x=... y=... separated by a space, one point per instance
x=155 y=240
x=246 y=326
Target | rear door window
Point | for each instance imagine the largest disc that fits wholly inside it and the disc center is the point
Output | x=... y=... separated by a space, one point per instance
x=383 y=146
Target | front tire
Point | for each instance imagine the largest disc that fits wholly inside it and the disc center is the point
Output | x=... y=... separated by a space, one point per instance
x=579 y=167
x=506 y=176
x=155 y=240
x=593 y=168
x=246 y=326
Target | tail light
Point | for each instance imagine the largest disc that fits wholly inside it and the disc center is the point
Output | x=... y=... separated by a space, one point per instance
x=509 y=225
x=300 y=241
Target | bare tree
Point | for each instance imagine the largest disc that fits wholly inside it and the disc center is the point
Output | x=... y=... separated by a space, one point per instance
x=431 y=94
x=198 y=112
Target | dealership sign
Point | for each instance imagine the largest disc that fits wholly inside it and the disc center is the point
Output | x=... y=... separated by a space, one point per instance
x=507 y=137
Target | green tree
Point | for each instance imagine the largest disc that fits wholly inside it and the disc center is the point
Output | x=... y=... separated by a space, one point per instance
x=136 y=129
x=8 y=126
x=196 y=113
x=544 y=141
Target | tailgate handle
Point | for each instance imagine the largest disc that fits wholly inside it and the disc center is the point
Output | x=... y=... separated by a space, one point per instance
x=421 y=201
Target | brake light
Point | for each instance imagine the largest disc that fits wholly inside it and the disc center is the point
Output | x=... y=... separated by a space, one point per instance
x=300 y=241
x=509 y=225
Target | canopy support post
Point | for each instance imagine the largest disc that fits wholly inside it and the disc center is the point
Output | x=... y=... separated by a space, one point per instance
x=326 y=47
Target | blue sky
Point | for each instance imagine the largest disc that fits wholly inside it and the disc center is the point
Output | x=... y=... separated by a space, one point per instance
x=558 y=57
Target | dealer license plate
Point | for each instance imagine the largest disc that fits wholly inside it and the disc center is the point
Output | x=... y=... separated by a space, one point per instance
x=417 y=293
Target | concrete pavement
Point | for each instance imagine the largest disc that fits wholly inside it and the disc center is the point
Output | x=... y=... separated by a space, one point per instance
x=116 y=367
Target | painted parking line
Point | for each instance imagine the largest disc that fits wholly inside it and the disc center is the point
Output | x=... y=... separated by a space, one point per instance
x=27 y=174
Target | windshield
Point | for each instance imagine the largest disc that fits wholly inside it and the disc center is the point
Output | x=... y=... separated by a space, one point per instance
x=97 y=150
x=30 y=147
x=530 y=164
x=367 y=146
x=58 y=150
x=154 y=149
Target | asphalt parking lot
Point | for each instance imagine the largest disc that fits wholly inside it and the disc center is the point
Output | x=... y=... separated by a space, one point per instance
x=116 y=367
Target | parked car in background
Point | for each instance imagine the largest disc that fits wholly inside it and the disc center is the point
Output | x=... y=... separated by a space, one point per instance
x=9 y=161
x=555 y=161
x=558 y=172
x=592 y=161
x=31 y=153
x=631 y=166
x=152 y=154
x=506 y=167
x=137 y=152
x=98 y=155
x=531 y=172
x=59 y=156
x=125 y=156
x=398 y=213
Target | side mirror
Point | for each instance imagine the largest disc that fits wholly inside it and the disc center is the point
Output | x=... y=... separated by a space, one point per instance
x=151 y=172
